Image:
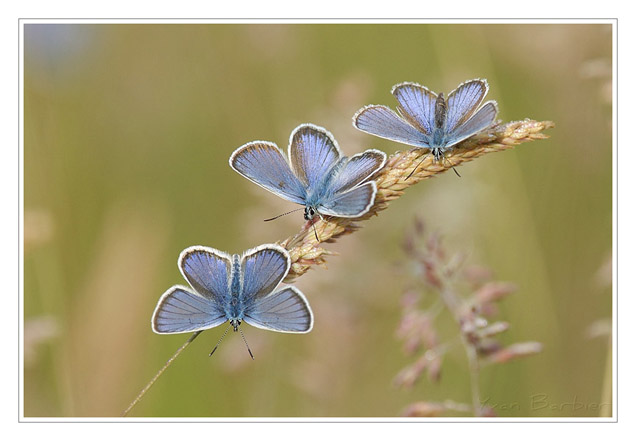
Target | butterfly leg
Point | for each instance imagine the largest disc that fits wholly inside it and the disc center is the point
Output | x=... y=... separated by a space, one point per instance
x=311 y=223
x=314 y=224
x=418 y=164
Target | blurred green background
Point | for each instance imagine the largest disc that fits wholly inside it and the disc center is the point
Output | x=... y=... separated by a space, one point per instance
x=128 y=129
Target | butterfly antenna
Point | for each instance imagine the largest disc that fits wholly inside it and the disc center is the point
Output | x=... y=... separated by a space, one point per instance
x=418 y=164
x=220 y=340
x=453 y=167
x=284 y=214
x=248 y=346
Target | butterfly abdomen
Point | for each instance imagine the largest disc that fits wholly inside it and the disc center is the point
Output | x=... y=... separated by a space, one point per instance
x=438 y=138
x=440 y=111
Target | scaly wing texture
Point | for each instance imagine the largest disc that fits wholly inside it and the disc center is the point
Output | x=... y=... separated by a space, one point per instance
x=356 y=170
x=353 y=203
x=207 y=270
x=264 y=164
x=385 y=123
x=264 y=268
x=286 y=310
x=478 y=122
x=313 y=151
x=180 y=310
x=463 y=101
x=416 y=105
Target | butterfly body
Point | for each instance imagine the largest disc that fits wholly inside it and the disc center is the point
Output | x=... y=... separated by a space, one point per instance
x=429 y=120
x=440 y=139
x=234 y=305
x=315 y=175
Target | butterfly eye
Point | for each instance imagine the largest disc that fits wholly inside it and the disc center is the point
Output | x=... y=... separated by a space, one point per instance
x=309 y=213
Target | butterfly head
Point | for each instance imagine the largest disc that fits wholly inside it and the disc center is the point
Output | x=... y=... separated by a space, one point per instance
x=438 y=153
x=235 y=323
x=310 y=212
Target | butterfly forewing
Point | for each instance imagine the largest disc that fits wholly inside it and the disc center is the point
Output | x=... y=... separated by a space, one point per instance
x=385 y=123
x=312 y=153
x=207 y=270
x=264 y=164
x=463 y=102
x=286 y=310
x=416 y=105
x=263 y=269
x=180 y=310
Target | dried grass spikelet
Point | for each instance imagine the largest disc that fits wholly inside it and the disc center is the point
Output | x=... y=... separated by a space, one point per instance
x=306 y=251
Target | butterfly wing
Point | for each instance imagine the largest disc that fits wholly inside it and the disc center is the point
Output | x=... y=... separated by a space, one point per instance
x=313 y=151
x=463 y=101
x=264 y=267
x=181 y=310
x=385 y=123
x=286 y=310
x=352 y=203
x=416 y=105
x=481 y=120
x=208 y=272
x=356 y=170
x=264 y=164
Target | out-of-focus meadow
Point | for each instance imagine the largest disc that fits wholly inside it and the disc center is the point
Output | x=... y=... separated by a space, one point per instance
x=127 y=134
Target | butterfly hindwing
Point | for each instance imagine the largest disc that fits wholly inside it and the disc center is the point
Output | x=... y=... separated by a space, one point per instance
x=356 y=170
x=481 y=120
x=181 y=310
x=352 y=203
x=286 y=310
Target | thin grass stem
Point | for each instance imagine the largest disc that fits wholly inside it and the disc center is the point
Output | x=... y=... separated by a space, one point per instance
x=168 y=363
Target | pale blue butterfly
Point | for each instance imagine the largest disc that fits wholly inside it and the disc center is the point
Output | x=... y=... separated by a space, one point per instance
x=428 y=120
x=233 y=288
x=317 y=175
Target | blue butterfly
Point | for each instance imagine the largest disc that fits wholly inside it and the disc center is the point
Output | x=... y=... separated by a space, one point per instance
x=233 y=288
x=428 y=120
x=317 y=175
